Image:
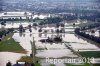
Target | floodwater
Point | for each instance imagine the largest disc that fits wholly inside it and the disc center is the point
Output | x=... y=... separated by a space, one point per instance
x=46 y=50
x=97 y=34
x=9 y=56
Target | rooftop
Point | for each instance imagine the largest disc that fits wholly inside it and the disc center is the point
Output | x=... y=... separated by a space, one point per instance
x=7 y=14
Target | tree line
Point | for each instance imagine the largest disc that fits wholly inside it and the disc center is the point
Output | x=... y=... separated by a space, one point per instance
x=5 y=32
x=79 y=31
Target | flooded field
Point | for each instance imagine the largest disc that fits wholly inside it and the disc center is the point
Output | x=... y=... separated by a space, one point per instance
x=47 y=50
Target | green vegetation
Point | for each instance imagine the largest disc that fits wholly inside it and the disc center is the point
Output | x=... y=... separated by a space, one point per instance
x=86 y=64
x=26 y=59
x=86 y=24
x=39 y=20
x=29 y=60
x=95 y=54
x=37 y=64
x=52 y=65
x=8 y=44
x=96 y=64
x=82 y=24
x=25 y=20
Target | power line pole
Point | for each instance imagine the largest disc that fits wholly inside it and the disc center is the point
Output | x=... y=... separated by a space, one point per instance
x=33 y=49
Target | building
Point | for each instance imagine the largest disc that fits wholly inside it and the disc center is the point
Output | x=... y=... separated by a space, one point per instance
x=15 y=15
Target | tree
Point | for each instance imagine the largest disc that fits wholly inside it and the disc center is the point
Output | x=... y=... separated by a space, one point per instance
x=30 y=29
x=57 y=25
x=40 y=30
x=57 y=31
x=52 y=30
x=54 y=20
x=73 y=24
x=92 y=31
x=20 y=18
x=9 y=64
x=21 y=28
x=29 y=26
x=45 y=31
x=25 y=13
x=41 y=23
x=5 y=13
x=99 y=33
x=62 y=25
x=35 y=24
x=3 y=23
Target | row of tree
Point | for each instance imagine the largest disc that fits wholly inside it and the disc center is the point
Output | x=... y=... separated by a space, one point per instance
x=91 y=37
x=90 y=26
x=57 y=30
x=22 y=29
x=50 y=40
x=54 y=20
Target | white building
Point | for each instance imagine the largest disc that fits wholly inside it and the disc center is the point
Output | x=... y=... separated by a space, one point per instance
x=23 y=15
x=13 y=15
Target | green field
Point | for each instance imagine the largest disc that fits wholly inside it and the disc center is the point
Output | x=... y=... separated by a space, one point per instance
x=86 y=24
x=30 y=60
x=95 y=54
x=96 y=64
x=26 y=59
x=52 y=65
x=85 y=64
x=8 y=44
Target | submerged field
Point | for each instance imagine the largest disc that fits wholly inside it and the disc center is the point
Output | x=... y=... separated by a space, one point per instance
x=21 y=42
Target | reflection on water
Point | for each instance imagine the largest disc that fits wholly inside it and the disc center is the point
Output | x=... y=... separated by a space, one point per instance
x=40 y=34
x=20 y=34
